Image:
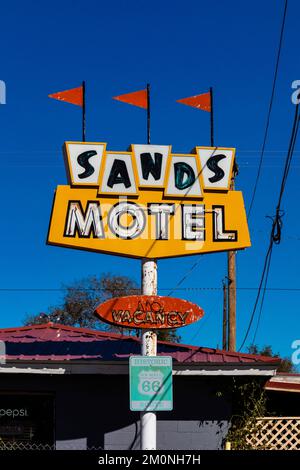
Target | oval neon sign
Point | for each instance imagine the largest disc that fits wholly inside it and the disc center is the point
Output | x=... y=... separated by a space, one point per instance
x=149 y=311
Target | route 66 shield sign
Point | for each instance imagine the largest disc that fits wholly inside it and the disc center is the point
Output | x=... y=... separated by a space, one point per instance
x=151 y=387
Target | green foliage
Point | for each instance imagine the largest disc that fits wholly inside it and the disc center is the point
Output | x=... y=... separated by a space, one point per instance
x=249 y=402
x=80 y=299
x=286 y=364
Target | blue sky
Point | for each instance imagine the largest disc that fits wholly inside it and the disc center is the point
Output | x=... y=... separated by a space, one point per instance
x=181 y=48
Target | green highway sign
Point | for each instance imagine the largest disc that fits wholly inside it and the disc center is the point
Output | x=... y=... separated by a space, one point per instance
x=151 y=385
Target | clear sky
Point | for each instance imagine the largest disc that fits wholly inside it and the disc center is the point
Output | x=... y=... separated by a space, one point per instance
x=181 y=48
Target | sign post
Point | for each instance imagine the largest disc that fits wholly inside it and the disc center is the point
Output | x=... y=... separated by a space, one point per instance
x=149 y=348
x=148 y=203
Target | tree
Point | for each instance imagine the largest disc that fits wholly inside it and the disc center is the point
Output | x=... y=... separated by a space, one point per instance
x=80 y=299
x=169 y=335
x=286 y=363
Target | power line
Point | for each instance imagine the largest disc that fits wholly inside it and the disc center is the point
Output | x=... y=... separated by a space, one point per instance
x=289 y=156
x=275 y=236
x=258 y=295
x=201 y=324
x=185 y=277
x=58 y=152
x=138 y=290
x=269 y=112
x=263 y=295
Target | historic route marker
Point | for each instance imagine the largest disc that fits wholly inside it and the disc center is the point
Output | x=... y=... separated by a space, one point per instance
x=151 y=383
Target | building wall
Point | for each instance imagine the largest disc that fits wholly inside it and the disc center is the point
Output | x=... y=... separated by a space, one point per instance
x=93 y=411
x=283 y=403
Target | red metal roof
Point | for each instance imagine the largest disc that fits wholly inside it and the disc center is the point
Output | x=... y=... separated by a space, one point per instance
x=55 y=342
x=284 y=382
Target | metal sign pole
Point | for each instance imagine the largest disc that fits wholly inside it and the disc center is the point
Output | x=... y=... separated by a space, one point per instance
x=149 y=348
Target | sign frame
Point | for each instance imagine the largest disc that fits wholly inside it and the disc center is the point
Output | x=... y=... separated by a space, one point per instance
x=68 y=163
x=151 y=378
x=204 y=187
x=148 y=221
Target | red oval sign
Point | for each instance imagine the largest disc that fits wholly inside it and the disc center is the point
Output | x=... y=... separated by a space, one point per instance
x=149 y=311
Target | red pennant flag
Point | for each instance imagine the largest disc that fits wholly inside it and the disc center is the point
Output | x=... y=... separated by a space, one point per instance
x=74 y=96
x=198 y=101
x=137 y=98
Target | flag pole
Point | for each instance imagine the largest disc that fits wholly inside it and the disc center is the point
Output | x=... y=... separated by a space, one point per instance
x=148 y=114
x=211 y=118
x=83 y=112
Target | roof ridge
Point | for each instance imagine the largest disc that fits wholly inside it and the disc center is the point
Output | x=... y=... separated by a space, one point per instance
x=106 y=334
x=27 y=327
x=90 y=331
x=60 y=326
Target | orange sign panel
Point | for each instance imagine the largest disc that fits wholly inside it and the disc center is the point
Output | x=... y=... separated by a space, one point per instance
x=150 y=312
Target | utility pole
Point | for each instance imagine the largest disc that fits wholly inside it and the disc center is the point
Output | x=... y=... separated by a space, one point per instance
x=225 y=321
x=231 y=301
x=231 y=267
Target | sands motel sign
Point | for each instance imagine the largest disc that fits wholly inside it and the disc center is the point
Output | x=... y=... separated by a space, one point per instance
x=148 y=202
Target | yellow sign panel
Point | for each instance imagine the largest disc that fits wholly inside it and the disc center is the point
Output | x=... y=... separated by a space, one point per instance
x=148 y=202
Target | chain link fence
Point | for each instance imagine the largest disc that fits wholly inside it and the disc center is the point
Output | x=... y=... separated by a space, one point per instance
x=19 y=445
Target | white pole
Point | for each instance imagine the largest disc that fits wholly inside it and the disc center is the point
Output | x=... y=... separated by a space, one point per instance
x=149 y=348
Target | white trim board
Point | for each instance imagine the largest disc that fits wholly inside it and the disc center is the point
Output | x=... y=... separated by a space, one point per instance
x=122 y=368
x=30 y=370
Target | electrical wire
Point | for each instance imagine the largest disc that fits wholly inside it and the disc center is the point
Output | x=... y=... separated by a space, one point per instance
x=58 y=152
x=257 y=296
x=275 y=235
x=200 y=326
x=269 y=111
x=191 y=289
x=184 y=277
x=289 y=156
x=263 y=295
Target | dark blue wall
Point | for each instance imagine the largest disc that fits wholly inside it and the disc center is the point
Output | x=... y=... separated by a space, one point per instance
x=93 y=411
